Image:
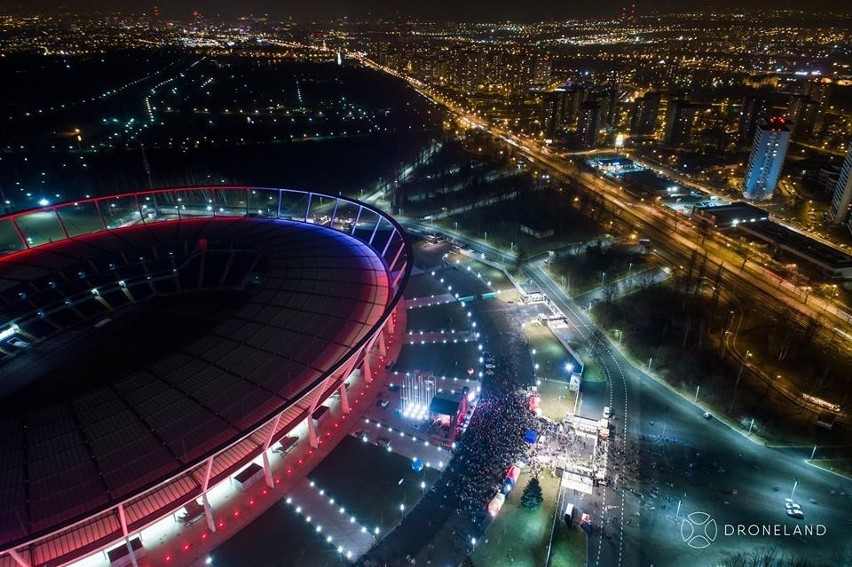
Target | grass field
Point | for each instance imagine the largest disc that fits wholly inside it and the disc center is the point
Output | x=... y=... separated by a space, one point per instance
x=556 y=399
x=488 y=274
x=550 y=355
x=519 y=537
x=366 y=480
x=840 y=466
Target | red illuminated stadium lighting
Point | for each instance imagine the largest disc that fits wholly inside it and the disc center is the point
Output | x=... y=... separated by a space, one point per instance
x=185 y=215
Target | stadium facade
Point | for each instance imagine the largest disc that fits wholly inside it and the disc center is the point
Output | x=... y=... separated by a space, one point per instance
x=321 y=278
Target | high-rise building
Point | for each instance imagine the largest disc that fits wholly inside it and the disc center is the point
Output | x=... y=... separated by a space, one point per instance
x=541 y=70
x=575 y=95
x=767 y=157
x=803 y=112
x=841 y=200
x=552 y=110
x=820 y=91
x=608 y=97
x=679 y=118
x=756 y=107
x=645 y=111
x=589 y=123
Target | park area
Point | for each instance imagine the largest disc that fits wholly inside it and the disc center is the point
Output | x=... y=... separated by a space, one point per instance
x=520 y=537
x=545 y=210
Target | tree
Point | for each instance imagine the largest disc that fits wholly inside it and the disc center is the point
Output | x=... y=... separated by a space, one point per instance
x=532 y=497
x=468 y=562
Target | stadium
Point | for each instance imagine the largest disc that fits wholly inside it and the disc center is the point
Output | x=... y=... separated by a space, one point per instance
x=293 y=291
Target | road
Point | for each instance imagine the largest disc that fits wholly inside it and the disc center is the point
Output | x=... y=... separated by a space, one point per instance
x=678 y=239
x=669 y=461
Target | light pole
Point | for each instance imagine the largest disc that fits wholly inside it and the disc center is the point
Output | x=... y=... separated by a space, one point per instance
x=650 y=360
x=792 y=492
x=813 y=453
x=750 y=425
x=739 y=375
x=677 y=512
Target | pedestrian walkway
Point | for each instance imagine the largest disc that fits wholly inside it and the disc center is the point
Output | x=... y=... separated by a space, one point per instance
x=429 y=301
x=433 y=337
x=331 y=520
x=409 y=445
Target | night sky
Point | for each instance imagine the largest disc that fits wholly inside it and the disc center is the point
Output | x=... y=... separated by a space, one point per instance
x=439 y=10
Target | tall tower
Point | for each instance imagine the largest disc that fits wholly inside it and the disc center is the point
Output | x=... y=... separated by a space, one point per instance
x=767 y=157
x=841 y=199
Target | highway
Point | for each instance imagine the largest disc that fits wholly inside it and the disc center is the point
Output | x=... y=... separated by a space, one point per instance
x=677 y=239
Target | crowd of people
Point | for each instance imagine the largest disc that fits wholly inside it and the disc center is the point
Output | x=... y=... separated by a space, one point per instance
x=560 y=446
x=493 y=441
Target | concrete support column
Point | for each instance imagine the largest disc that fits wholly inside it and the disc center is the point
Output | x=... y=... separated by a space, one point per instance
x=18 y=559
x=123 y=521
x=380 y=344
x=391 y=324
x=312 y=433
x=267 y=470
x=344 y=398
x=365 y=369
x=208 y=513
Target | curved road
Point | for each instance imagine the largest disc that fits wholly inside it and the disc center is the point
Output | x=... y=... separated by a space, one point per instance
x=665 y=453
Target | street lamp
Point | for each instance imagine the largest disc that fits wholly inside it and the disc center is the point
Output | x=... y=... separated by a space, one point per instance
x=739 y=375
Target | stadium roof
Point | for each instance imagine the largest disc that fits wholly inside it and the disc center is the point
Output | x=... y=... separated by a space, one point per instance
x=320 y=294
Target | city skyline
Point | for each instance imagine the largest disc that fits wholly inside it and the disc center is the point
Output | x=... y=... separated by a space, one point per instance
x=387 y=290
x=442 y=10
